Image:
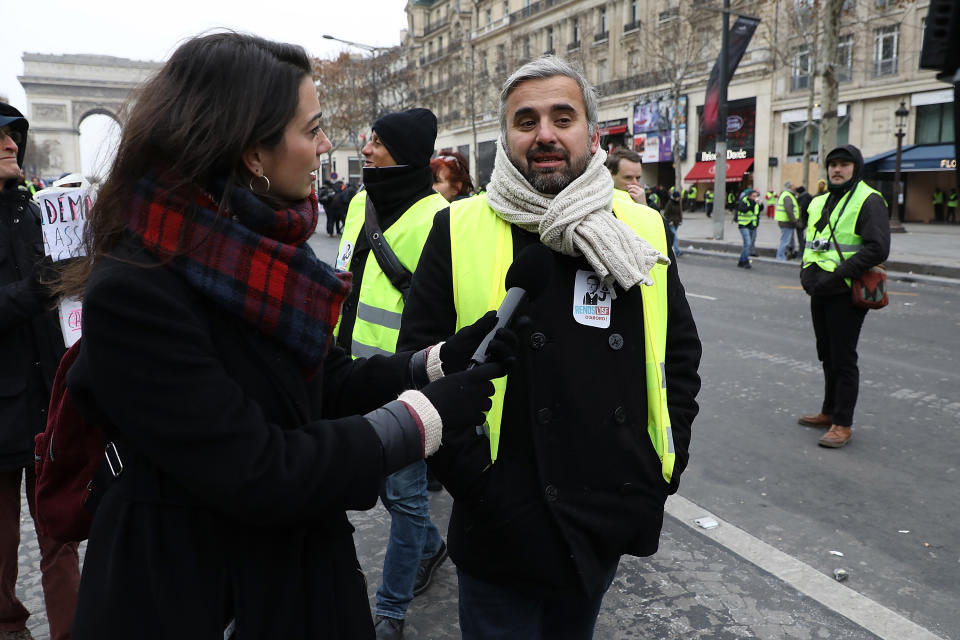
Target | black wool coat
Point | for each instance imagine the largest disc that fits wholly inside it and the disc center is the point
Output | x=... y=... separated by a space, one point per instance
x=237 y=470
x=577 y=482
x=31 y=343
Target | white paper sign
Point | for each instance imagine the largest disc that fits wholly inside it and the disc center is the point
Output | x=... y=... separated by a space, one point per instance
x=591 y=300
x=71 y=313
x=64 y=213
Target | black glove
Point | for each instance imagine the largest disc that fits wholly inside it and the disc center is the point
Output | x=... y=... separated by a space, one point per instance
x=462 y=398
x=455 y=352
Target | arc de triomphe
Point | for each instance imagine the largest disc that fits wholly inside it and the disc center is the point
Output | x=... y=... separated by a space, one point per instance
x=62 y=90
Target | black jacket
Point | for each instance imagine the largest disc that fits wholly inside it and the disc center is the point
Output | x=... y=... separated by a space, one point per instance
x=577 y=482
x=237 y=471
x=31 y=343
x=873 y=226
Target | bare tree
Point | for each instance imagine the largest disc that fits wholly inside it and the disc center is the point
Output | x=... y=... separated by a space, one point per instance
x=679 y=44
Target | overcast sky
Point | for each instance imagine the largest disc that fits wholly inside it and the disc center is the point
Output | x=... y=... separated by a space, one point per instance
x=151 y=31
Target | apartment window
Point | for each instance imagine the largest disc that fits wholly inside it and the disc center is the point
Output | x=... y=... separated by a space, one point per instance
x=800 y=78
x=935 y=123
x=575 y=30
x=632 y=16
x=845 y=58
x=549 y=40
x=440 y=46
x=501 y=58
x=885 y=46
x=795 y=135
x=489 y=14
x=603 y=19
x=526 y=48
x=506 y=8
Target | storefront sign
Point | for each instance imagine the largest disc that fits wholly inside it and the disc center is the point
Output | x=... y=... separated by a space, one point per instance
x=732 y=154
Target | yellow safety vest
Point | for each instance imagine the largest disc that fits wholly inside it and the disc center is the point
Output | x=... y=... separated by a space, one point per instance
x=380 y=304
x=843 y=228
x=481 y=252
x=750 y=217
x=780 y=214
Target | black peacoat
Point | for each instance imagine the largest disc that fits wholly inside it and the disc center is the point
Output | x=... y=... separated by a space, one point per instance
x=237 y=470
x=31 y=343
x=577 y=482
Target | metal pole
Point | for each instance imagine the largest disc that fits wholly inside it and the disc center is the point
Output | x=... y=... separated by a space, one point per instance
x=720 y=164
x=897 y=187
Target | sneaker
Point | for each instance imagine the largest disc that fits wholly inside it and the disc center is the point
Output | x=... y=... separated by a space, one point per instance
x=835 y=438
x=388 y=628
x=816 y=420
x=427 y=568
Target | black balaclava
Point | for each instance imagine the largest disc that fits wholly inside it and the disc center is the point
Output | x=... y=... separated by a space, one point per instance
x=845 y=152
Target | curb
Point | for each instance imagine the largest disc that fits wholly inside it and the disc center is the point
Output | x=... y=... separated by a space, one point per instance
x=897 y=270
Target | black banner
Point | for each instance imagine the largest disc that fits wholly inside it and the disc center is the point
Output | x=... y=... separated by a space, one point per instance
x=740 y=34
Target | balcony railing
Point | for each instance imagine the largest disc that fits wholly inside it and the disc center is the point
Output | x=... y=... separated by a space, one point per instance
x=632 y=83
x=534 y=8
x=799 y=82
x=573 y=45
x=490 y=27
x=600 y=37
x=670 y=14
x=435 y=26
x=631 y=26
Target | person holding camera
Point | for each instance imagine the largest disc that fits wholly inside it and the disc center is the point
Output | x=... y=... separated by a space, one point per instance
x=848 y=232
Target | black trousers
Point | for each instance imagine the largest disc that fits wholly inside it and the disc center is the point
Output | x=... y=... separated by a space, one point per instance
x=836 y=324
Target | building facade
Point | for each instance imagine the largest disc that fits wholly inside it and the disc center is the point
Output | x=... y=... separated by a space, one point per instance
x=651 y=60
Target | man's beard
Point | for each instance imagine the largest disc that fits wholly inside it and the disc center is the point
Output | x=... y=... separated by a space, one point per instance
x=551 y=181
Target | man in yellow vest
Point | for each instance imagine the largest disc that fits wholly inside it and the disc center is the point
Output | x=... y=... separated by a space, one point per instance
x=787 y=217
x=771 y=202
x=952 y=207
x=590 y=433
x=848 y=232
x=937 y=204
x=399 y=185
x=626 y=167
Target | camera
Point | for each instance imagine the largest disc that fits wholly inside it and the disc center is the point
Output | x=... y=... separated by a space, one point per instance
x=819 y=244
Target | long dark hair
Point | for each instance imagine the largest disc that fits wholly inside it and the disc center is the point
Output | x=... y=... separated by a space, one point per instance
x=217 y=95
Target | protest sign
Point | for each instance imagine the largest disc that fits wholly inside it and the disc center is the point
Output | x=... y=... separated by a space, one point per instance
x=71 y=311
x=64 y=215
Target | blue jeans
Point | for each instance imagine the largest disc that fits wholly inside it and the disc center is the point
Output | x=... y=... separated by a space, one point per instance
x=413 y=537
x=676 y=242
x=786 y=240
x=749 y=235
x=489 y=611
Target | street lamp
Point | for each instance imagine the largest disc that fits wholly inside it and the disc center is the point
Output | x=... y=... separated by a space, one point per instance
x=895 y=221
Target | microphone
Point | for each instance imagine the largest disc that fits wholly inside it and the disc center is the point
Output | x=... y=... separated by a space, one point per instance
x=526 y=279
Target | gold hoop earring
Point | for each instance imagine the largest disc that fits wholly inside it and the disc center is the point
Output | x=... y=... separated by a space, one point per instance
x=260 y=192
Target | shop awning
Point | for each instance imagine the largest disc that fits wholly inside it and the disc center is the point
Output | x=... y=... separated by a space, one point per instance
x=914 y=157
x=704 y=171
x=615 y=129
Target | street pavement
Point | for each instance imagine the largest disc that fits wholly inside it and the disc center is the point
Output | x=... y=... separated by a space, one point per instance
x=717 y=583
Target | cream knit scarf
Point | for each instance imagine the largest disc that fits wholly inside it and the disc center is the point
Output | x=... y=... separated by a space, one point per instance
x=576 y=221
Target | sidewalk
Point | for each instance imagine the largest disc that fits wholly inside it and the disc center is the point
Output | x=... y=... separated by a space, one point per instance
x=925 y=249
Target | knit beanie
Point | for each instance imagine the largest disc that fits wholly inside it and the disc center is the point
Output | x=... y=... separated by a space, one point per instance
x=408 y=135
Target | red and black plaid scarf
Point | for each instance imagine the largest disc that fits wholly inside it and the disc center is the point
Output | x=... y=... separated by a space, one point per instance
x=251 y=260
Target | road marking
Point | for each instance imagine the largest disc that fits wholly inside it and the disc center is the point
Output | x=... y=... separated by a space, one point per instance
x=872 y=616
x=795 y=287
x=902 y=293
x=697 y=295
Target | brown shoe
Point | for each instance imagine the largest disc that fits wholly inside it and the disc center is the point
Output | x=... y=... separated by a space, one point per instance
x=817 y=420
x=835 y=438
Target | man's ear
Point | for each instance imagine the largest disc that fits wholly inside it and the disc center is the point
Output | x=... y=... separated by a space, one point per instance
x=595 y=141
x=252 y=160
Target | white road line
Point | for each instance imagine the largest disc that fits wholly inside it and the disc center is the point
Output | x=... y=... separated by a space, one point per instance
x=697 y=295
x=870 y=615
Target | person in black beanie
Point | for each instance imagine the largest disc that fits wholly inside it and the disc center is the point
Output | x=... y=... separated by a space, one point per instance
x=848 y=232
x=398 y=183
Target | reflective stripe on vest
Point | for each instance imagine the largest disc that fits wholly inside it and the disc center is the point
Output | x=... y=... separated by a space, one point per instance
x=781 y=214
x=844 y=228
x=380 y=305
x=481 y=243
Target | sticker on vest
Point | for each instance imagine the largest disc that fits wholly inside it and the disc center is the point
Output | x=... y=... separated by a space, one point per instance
x=591 y=300
x=343 y=258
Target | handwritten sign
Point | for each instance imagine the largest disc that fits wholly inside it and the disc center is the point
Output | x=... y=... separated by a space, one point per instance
x=64 y=213
x=71 y=314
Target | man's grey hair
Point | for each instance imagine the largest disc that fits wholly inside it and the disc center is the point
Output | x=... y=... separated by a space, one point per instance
x=549 y=67
x=788 y=185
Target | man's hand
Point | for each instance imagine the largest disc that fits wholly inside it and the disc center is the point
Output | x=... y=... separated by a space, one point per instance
x=636 y=192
